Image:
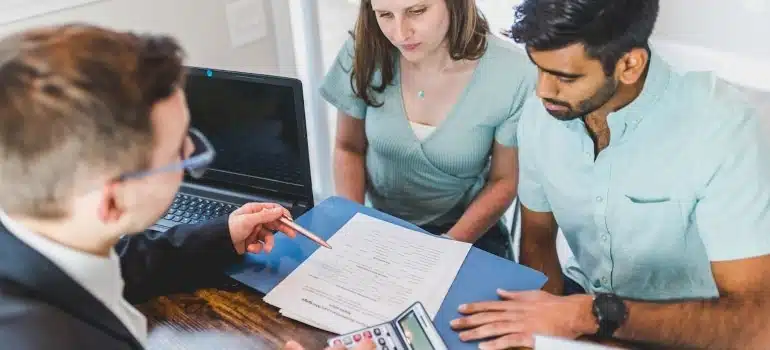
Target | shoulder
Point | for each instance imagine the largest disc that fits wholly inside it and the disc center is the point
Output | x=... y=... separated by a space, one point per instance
x=722 y=109
x=23 y=320
x=533 y=120
x=508 y=59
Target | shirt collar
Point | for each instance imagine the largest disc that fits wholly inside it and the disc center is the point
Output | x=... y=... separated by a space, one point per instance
x=100 y=276
x=655 y=85
x=628 y=118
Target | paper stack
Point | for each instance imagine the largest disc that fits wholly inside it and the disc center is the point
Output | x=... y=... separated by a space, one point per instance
x=374 y=272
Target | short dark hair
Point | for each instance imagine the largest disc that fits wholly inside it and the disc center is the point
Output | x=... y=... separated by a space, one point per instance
x=607 y=28
x=77 y=98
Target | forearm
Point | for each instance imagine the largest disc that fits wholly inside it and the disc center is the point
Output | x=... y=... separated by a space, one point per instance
x=484 y=211
x=541 y=255
x=350 y=175
x=725 y=323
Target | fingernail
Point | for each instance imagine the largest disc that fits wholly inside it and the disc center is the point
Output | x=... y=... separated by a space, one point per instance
x=454 y=322
x=462 y=307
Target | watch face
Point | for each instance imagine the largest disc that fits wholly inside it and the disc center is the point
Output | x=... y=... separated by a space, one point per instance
x=610 y=307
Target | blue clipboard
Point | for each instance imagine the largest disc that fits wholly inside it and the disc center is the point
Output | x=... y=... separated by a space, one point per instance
x=480 y=275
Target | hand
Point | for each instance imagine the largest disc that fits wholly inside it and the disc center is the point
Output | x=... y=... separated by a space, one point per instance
x=512 y=321
x=252 y=226
x=365 y=344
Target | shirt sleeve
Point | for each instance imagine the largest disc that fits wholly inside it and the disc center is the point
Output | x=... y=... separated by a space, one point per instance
x=733 y=210
x=506 y=133
x=336 y=87
x=531 y=193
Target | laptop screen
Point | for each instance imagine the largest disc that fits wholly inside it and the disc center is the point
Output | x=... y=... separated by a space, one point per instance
x=256 y=124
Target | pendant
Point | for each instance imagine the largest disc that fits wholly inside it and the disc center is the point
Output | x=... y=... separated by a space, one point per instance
x=421 y=94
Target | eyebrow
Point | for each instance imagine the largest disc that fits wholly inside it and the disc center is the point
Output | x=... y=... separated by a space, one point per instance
x=555 y=72
x=421 y=3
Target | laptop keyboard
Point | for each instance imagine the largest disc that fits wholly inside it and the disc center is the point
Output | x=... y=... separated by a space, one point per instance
x=187 y=209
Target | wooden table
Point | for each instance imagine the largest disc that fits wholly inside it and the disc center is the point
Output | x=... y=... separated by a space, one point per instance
x=231 y=307
x=234 y=307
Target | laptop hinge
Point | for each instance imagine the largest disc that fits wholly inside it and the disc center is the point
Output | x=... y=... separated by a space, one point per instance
x=232 y=196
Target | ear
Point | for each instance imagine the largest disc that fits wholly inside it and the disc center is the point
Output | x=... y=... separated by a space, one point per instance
x=109 y=210
x=632 y=65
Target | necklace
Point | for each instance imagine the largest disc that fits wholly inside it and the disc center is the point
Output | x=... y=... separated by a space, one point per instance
x=421 y=92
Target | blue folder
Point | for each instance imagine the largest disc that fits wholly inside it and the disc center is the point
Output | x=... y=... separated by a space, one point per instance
x=480 y=275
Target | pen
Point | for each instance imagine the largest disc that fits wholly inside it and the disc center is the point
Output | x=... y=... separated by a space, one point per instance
x=304 y=232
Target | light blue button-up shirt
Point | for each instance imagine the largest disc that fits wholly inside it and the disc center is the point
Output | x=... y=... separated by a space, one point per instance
x=685 y=181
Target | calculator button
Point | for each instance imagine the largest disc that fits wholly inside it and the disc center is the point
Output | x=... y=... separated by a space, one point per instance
x=357 y=338
x=368 y=334
x=377 y=331
x=381 y=341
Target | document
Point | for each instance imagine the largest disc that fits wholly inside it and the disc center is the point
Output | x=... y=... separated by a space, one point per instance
x=16 y=10
x=553 y=343
x=374 y=272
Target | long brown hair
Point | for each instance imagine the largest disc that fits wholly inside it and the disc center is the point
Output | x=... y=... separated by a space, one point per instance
x=467 y=37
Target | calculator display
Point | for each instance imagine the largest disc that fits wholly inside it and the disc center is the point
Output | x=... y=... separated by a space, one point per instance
x=414 y=333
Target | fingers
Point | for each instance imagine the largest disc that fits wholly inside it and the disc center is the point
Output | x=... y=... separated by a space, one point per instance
x=269 y=240
x=260 y=240
x=279 y=226
x=292 y=345
x=247 y=221
x=516 y=340
x=485 y=306
x=366 y=344
x=255 y=248
x=254 y=207
x=494 y=329
x=483 y=318
x=521 y=296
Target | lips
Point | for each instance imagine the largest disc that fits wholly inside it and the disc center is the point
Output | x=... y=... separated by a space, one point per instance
x=553 y=107
x=410 y=47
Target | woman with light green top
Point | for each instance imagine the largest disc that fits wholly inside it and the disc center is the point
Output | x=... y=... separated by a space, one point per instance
x=429 y=103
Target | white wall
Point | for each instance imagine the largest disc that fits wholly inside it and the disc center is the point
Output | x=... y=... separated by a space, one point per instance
x=200 y=25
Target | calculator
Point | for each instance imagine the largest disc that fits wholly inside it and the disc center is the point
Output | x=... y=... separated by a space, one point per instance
x=411 y=330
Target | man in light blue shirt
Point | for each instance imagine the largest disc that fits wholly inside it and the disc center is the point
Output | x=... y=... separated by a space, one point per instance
x=659 y=180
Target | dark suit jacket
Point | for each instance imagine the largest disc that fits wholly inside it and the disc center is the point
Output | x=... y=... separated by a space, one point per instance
x=43 y=308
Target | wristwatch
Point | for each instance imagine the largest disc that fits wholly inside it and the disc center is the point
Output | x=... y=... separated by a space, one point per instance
x=610 y=312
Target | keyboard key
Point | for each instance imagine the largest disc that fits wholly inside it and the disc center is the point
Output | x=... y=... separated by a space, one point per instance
x=177 y=218
x=380 y=340
x=168 y=217
x=185 y=221
x=377 y=331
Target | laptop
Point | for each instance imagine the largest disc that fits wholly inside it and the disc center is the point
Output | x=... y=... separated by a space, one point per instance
x=256 y=124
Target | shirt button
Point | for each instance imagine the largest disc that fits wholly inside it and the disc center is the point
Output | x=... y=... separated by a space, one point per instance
x=599 y=199
x=604 y=238
x=605 y=281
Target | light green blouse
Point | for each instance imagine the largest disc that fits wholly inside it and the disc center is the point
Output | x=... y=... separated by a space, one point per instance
x=432 y=181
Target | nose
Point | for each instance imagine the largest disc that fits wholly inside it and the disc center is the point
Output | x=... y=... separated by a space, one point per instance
x=546 y=86
x=402 y=31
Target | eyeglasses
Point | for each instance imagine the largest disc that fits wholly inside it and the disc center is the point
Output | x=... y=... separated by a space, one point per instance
x=195 y=165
